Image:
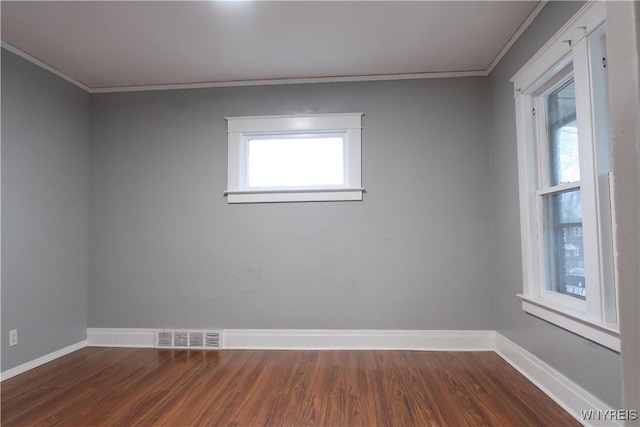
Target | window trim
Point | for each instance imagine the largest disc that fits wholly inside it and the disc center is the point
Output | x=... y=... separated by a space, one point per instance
x=546 y=69
x=605 y=334
x=240 y=128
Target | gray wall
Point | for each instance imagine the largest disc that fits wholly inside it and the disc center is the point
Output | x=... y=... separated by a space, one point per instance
x=623 y=39
x=595 y=368
x=45 y=211
x=168 y=251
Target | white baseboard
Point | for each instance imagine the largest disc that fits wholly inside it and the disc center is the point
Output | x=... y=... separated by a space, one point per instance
x=569 y=395
x=121 y=337
x=305 y=339
x=10 y=373
x=566 y=393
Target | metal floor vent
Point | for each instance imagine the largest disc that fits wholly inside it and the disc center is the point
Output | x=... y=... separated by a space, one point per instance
x=188 y=339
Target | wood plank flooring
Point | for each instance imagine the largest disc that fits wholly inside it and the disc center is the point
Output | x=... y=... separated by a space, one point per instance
x=148 y=387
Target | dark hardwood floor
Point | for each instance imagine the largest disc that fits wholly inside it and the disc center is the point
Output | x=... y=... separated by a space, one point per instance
x=146 y=387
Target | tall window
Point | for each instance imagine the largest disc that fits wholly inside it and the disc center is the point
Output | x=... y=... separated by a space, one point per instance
x=560 y=191
x=564 y=173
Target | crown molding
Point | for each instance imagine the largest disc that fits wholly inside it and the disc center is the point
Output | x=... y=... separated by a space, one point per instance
x=514 y=38
x=310 y=80
x=36 y=61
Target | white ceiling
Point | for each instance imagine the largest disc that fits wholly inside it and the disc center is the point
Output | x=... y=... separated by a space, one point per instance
x=118 y=44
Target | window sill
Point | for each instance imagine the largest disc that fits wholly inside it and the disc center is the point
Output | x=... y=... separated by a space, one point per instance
x=605 y=334
x=308 y=195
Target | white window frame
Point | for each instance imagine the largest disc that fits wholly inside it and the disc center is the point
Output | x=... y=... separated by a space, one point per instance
x=240 y=129
x=595 y=318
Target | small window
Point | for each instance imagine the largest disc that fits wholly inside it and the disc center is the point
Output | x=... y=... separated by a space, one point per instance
x=294 y=158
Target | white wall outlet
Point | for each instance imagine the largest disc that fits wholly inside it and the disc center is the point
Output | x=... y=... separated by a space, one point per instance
x=13 y=337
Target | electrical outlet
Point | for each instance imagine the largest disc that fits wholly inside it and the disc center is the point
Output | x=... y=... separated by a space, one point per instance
x=13 y=337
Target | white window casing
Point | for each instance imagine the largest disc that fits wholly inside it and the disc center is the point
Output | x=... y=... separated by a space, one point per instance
x=346 y=127
x=571 y=53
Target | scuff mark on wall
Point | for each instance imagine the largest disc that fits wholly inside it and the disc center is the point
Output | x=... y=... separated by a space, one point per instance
x=249 y=277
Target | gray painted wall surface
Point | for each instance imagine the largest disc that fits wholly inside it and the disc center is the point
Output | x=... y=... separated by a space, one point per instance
x=595 y=368
x=623 y=40
x=168 y=251
x=45 y=211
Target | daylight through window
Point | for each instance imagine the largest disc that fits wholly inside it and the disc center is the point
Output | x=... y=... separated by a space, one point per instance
x=294 y=158
x=564 y=178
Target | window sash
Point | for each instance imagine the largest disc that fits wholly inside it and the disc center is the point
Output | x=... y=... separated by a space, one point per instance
x=542 y=127
x=547 y=258
x=245 y=164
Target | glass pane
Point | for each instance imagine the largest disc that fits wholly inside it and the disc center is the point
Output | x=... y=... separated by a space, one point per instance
x=564 y=257
x=563 y=135
x=295 y=162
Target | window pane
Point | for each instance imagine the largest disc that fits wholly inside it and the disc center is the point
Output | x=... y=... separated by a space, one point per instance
x=563 y=134
x=295 y=162
x=564 y=255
